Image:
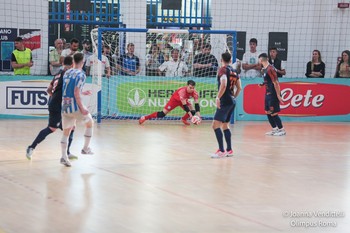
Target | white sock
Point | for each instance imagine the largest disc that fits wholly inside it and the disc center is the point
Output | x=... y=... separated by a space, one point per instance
x=87 y=136
x=64 y=145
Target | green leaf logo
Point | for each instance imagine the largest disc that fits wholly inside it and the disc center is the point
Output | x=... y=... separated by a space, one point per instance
x=136 y=97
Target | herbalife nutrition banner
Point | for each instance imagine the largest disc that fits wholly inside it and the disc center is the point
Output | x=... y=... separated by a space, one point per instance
x=136 y=96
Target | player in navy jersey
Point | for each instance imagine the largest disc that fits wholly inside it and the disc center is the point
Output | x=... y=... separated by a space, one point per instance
x=55 y=92
x=272 y=96
x=73 y=108
x=225 y=102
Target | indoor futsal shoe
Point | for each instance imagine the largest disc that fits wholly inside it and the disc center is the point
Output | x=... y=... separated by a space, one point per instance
x=29 y=152
x=142 y=119
x=88 y=151
x=272 y=132
x=185 y=122
x=280 y=132
x=72 y=157
x=65 y=162
x=229 y=153
x=218 y=154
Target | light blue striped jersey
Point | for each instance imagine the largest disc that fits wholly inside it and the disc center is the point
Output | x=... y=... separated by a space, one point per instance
x=72 y=78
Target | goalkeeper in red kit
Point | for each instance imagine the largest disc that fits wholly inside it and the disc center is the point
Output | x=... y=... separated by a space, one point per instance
x=179 y=99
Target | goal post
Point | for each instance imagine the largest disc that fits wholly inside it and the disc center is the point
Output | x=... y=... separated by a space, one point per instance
x=128 y=97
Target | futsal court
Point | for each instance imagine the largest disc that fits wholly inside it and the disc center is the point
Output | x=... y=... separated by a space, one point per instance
x=159 y=178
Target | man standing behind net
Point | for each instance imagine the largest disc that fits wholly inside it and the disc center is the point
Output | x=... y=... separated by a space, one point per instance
x=250 y=62
x=205 y=64
x=73 y=108
x=54 y=57
x=21 y=58
x=276 y=62
x=129 y=64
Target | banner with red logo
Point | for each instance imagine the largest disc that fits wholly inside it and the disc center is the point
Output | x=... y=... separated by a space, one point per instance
x=300 y=99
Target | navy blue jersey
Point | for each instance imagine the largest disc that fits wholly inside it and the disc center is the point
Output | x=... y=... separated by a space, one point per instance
x=270 y=76
x=56 y=97
x=232 y=78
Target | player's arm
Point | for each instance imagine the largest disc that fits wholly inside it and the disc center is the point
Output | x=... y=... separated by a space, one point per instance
x=197 y=108
x=222 y=88
x=184 y=102
x=273 y=75
x=238 y=88
x=79 y=101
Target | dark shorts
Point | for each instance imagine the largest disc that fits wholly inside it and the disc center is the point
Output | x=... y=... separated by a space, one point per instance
x=55 y=119
x=272 y=104
x=225 y=112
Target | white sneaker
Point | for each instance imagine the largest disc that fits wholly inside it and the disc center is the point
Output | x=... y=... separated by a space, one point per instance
x=280 y=132
x=65 y=162
x=87 y=152
x=272 y=132
x=218 y=154
x=29 y=153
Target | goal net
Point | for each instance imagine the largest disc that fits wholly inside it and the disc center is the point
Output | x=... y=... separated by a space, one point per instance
x=137 y=70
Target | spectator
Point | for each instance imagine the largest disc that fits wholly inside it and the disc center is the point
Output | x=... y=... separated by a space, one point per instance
x=86 y=49
x=205 y=64
x=276 y=62
x=21 y=58
x=316 y=67
x=129 y=64
x=74 y=48
x=92 y=66
x=343 y=66
x=250 y=63
x=54 y=57
x=154 y=59
x=175 y=67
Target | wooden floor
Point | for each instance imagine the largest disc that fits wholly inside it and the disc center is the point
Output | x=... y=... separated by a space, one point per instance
x=160 y=179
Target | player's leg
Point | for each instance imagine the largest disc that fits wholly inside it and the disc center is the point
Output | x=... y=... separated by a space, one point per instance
x=168 y=107
x=54 y=121
x=219 y=117
x=227 y=131
x=70 y=139
x=275 y=109
x=268 y=110
x=187 y=115
x=68 y=122
x=89 y=123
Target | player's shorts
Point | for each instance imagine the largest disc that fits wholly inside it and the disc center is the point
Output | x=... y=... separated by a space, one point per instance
x=173 y=103
x=272 y=104
x=55 y=119
x=69 y=119
x=225 y=112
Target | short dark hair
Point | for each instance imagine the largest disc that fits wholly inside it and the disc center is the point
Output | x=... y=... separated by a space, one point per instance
x=130 y=44
x=253 y=40
x=263 y=55
x=172 y=51
x=19 y=39
x=273 y=48
x=86 y=41
x=191 y=82
x=74 y=40
x=207 y=46
x=78 y=57
x=226 y=57
x=68 y=61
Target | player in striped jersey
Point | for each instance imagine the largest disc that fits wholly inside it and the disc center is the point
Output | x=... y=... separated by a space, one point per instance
x=73 y=108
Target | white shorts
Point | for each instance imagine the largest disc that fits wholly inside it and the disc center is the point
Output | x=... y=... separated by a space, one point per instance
x=69 y=119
